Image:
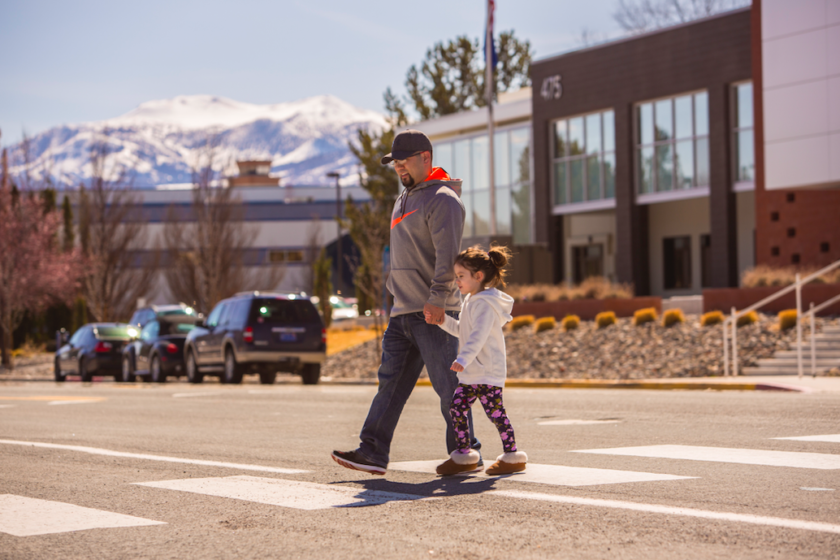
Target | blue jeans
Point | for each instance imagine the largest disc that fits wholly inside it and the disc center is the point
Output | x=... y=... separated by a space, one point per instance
x=408 y=344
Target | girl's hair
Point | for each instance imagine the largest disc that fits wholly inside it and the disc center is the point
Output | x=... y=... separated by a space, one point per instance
x=491 y=263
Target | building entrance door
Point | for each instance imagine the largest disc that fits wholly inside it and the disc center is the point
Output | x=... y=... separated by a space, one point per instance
x=587 y=260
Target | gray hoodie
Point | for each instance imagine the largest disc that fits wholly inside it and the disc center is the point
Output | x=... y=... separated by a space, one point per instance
x=426 y=228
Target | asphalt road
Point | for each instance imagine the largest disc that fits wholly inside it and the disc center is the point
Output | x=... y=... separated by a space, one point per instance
x=193 y=465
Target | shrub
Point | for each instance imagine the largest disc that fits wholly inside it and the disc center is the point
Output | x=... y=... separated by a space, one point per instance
x=570 y=322
x=642 y=316
x=521 y=321
x=711 y=318
x=595 y=287
x=672 y=317
x=763 y=275
x=544 y=324
x=787 y=319
x=747 y=319
x=605 y=319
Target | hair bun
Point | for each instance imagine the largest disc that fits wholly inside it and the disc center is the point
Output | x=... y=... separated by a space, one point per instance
x=498 y=257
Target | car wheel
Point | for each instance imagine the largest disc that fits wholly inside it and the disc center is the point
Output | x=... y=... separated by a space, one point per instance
x=311 y=374
x=156 y=369
x=232 y=373
x=83 y=371
x=268 y=377
x=194 y=374
x=60 y=377
x=127 y=370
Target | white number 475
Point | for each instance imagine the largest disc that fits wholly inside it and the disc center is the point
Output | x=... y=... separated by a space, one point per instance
x=551 y=88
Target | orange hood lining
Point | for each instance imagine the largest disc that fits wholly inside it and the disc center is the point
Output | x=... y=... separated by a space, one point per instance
x=438 y=174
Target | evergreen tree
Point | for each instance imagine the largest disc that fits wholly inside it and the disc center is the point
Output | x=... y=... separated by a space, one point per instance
x=69 y=237
x=48 y=199
x=322 y=286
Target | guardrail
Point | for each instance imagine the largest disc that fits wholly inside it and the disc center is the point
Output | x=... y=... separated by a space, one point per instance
x=797 y=287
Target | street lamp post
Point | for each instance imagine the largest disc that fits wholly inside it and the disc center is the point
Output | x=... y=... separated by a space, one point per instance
x=335 y=175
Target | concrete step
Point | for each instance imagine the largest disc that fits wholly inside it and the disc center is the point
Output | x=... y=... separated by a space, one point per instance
x=775 y=362
x=777 y=371
x=806 y=353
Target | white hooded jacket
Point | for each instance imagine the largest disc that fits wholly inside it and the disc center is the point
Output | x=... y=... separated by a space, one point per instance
x=482 y=349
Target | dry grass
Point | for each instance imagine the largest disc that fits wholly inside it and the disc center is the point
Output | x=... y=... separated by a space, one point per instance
x=29 y=349
x=763 y=275
x=596 y=287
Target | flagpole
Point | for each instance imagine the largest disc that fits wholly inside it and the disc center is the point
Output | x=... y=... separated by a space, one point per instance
x=488 y=79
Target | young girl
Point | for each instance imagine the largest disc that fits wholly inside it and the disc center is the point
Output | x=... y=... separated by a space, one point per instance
x=481 y=361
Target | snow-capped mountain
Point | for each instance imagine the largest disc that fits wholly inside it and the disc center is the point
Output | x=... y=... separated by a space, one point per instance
x=160 y=142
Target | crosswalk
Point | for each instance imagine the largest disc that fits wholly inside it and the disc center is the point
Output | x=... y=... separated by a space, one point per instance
x=24 y=516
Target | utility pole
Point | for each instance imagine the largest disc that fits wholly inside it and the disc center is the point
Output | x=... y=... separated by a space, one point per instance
x=335 y=175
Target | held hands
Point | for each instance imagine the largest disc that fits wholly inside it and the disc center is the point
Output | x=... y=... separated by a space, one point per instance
x=456 y=367
x=433 y=315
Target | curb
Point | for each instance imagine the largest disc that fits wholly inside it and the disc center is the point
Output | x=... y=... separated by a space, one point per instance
x=648 y=385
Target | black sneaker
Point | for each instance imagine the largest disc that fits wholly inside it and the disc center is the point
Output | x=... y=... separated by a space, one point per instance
x=354 y=460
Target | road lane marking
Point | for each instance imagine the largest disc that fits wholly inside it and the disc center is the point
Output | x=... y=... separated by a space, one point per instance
x=669 y=510
x=187 y=395
x=822 y=461
x=110 y=453
x=7 y=405
x=830 y=438
x=553 y=474
x=24 y=517
x=54 y=399
x=283 y=493
x=576 y=422
x=53 y=403
x=809 y=489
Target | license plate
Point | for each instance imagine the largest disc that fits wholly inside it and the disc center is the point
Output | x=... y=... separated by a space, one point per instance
x=288 y=337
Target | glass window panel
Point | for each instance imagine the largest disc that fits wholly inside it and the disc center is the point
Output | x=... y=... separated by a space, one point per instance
x=576 y=179
x=685 y=164
x=466 y=198
x=501 y=159
x=481 y=212
x=609 y=131
x=664 y=120
x=520 y=158
x=462 y=164
x=744 y=106
x=593 y=178
x=593 y=134
x=480 y=163
x=609 y=176
x=645 y=170
x=560 y=182
x=682 y=110
x=664 y=168
x=560 y=138
x=745 y=156
x=503 y=211
x=442 y=157
x=701 y=114
x=576 y=140
x=521 y=215
x=701 y=154
x=646 y=123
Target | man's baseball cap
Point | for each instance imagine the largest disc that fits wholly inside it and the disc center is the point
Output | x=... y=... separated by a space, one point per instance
x=406 y=144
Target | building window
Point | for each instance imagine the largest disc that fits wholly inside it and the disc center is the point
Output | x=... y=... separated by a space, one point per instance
x=676 y=260
x=276 y=256
x=469 y=159
x=584 y=158
x=587 y=260
x=824 y=247
x=706 y=260
x=294 y=256
x=672 y=143
x=742 y=142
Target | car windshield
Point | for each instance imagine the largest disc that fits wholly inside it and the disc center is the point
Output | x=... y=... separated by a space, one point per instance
x=179 y=311
x=123 y=332
x=281 y=311
x=339 y=303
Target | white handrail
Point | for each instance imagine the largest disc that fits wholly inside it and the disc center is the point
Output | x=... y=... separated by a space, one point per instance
x=797 y=287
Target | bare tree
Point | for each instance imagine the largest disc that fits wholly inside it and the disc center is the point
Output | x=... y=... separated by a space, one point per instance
x=205 y=250
x=640 y=16
x=113 y=239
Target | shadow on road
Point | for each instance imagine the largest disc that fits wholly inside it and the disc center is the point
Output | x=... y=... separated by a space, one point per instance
x=377 y=492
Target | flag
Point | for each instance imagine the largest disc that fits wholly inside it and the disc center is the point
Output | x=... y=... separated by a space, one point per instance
x=491 y=8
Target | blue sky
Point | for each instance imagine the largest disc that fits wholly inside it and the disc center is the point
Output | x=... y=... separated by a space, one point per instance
x=87 y=60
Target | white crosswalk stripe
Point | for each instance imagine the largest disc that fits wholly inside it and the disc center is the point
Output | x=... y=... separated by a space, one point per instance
x=830 y=438
x=283 y=493
x=771 y=458
x=556 y=475
x=23 y=517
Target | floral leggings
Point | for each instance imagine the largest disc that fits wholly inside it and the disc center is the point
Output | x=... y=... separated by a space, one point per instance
x=491 y=399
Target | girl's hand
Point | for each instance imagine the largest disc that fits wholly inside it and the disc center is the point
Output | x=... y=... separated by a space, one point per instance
x=456 y=367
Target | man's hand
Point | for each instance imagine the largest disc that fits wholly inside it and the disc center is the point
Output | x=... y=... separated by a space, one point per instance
x=434 y=315
x=456 y=367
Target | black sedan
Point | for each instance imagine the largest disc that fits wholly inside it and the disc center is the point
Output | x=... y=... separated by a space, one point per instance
x=93 y=350
x=158 y=352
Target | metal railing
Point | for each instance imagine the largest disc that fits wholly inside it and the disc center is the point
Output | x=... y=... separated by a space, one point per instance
x=732 y=321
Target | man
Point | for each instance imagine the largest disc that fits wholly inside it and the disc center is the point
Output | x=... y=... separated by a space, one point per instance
x=426 y=228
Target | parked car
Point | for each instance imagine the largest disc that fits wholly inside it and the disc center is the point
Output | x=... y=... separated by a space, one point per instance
x=94 y=349
x=259 y=333
x=158 y=351
x=342 y=308
x=149 y=312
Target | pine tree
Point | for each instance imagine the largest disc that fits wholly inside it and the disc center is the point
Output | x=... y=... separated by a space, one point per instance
x=322 y=286
x=69 y=234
